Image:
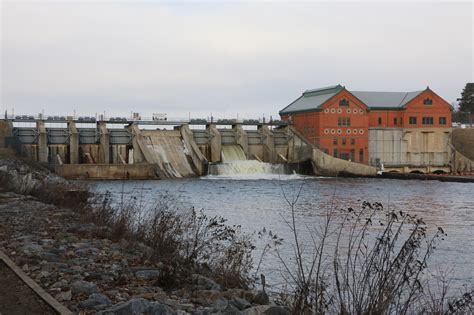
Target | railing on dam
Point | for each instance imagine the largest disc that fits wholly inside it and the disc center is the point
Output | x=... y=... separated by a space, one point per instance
x=26 y=131
x=143 y=120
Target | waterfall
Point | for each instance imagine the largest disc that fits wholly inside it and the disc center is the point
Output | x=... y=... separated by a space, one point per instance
x=235 y=164
x=232 y=153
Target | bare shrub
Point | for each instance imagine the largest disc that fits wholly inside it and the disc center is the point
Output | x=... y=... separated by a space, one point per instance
x=189 y=241
x=365 y=260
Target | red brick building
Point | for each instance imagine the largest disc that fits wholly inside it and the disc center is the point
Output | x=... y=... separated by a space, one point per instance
x=338 y=120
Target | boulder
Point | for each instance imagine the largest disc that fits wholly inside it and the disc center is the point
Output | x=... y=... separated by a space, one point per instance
x=147 y=274
x=276 y=310
x=84 y=287
x=63 y=296
x=241 y=304
x=267 y=310
x=96 y=301
x=204 y=283
x=138 y=306
x=261 y=298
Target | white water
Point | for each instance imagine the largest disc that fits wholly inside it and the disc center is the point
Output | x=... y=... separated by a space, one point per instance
x=235 y=166
x=231 y=153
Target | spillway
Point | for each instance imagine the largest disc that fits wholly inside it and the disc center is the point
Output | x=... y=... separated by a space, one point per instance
x=169 y=151
x=235 y=163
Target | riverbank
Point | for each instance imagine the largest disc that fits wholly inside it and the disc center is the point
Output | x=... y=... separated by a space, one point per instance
x=78 y=263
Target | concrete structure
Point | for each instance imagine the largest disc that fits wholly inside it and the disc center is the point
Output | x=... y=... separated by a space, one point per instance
x=133 y=152
x=106 y=171
x=463 y=151
x=410 y=149
x=404 y=131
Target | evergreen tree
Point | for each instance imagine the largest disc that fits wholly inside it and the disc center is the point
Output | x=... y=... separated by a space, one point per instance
x=466 y=102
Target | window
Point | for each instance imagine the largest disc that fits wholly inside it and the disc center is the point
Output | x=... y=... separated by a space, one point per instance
x=401 y=120
x=352 y=155
x=361 y=155
x=442 y=120
x=395 y=121
x=412 y=120
x=326 y=151
x=380 y=120
x=343 y=121
x=428 y=101
x=334 y=141
x=343 y=102
x=353 y=141
x=343 y=141
x=427 y=120
x=335 y=153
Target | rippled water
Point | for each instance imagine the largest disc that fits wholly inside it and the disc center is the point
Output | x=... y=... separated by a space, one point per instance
x=256 y=201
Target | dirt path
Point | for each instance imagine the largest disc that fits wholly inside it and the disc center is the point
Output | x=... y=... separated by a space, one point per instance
x=17 y=298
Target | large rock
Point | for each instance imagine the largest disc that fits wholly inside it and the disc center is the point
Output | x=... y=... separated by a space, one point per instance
x=96 y=302
x=138 y=307
x=241 y=304
x=147 y=274
x=266 y=310
x=261 y=298
x=204 y=283
x=276 y=310
x=63 y=296
x=32 y=249
x=84 y=287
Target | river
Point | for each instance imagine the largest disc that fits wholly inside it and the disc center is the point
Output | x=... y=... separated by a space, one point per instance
x=256 y=201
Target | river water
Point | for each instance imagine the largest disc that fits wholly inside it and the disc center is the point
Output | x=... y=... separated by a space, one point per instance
x=256 y=201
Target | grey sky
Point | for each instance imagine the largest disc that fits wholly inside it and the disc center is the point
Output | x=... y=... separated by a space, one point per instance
x=229 y=58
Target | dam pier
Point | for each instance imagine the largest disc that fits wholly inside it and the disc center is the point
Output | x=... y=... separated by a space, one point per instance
x=140 y=149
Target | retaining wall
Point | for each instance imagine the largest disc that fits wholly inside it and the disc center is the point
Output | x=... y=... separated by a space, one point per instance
x=106 y=171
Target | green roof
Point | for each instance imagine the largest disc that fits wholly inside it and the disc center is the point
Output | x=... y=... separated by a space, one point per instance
x=311 y=100
x=385 y=100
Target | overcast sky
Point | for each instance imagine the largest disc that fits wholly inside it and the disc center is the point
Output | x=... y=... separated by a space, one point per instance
x=225 y=58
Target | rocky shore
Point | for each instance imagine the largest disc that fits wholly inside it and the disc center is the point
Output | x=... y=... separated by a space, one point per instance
x=89 y=273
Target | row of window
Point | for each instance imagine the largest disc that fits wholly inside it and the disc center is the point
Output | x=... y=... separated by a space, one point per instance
x=339 y=131
x=413 y=120
x=348 y=111
x=343 y=141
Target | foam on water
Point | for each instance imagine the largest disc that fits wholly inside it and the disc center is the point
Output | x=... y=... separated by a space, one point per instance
x=257 y=176
x=235 y=166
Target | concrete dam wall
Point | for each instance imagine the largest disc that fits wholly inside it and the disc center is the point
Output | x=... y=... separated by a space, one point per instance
x=463 y=150
x=104 y=151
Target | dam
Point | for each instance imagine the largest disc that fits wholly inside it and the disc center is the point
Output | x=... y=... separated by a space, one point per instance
x=166 y=149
